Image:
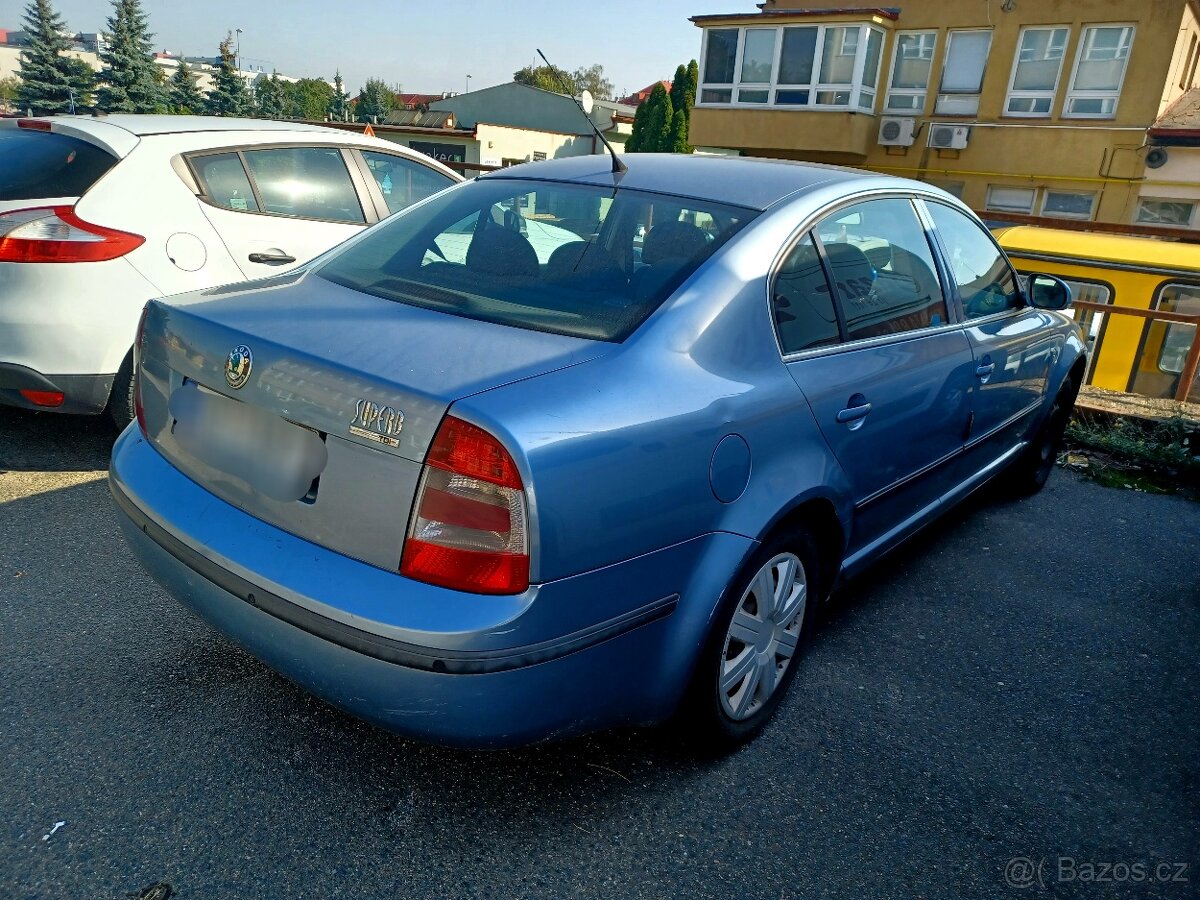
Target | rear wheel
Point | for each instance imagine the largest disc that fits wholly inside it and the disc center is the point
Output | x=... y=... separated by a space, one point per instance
x=750 y=659
x=1031 y=472
x=120 y=402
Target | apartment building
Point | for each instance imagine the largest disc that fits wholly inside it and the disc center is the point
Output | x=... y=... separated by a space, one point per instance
x=1060 y=109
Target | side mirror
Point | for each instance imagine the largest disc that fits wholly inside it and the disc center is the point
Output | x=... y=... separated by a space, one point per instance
x=1048 y=292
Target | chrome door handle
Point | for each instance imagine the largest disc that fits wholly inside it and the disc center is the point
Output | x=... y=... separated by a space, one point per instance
x=272 y=259
x=853 y=413
x=986 y=369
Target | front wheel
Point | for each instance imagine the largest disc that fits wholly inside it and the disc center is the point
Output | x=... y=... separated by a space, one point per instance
x=1030 y=473
x=751 y=656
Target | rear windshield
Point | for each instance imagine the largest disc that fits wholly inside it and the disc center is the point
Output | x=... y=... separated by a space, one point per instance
x=41 y=164
x=578 y=260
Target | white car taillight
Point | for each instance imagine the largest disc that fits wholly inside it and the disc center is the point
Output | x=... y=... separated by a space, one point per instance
x=52 y=234
x=468 y=531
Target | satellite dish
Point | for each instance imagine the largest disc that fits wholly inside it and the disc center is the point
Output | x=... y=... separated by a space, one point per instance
x=586 y=101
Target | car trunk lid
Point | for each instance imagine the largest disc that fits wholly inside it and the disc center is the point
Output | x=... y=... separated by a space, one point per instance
x=311 y=405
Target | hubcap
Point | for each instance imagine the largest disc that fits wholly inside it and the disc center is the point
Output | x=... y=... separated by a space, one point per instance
x=762 y=636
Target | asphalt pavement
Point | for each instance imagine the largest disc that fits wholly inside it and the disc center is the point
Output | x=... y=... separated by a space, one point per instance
x=1008 y=706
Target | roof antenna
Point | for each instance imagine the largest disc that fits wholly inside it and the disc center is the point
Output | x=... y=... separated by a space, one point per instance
x=618 y=167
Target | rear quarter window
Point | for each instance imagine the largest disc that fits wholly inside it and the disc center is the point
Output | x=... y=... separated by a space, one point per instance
x=38 y=164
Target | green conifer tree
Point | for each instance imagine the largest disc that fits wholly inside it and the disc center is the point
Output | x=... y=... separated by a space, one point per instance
x=375 y=100
x=339 y=106
x=130 y=76
x=268 y=97
x=683 y=97
x=656 y=136
x=229 y=96
x=185 y=97
x=49 y=83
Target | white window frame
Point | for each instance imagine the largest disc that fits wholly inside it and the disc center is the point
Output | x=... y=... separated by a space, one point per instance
x=1113 y=95
x=814 y=86
x=1014 y=94
x=990 y=32
x=1033 y=192
x=1137 y=212
x=922 y=93
x=1046 y=192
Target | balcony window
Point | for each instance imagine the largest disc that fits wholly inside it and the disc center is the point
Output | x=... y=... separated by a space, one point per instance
x=1035 y=71
x=807 y=66
x=962 y=73
x=1099 y=71
x=911 y=66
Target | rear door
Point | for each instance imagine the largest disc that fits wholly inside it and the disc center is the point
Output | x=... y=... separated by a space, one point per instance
x=885 y=370
x=1012 y=346
x=278 y=207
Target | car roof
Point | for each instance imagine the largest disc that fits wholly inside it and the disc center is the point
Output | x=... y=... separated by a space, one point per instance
x=738 y=181
x=142 y=125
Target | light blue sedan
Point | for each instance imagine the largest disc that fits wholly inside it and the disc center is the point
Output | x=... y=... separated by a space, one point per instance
x=564 y=448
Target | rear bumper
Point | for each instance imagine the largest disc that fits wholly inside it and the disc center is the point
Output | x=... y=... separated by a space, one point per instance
x=81 y=393
x=460 y=679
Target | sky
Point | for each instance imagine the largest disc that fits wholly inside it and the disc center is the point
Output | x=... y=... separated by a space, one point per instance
x=425 y=47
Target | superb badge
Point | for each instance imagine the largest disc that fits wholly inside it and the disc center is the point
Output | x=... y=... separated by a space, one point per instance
x=238 y=365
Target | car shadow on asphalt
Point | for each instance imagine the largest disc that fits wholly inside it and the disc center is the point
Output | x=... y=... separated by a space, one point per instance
x=49 y=442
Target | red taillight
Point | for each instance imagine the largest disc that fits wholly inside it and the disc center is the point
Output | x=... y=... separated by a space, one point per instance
x=34 y=124
x=53 y=234
x=51 y=399
x=469 y=528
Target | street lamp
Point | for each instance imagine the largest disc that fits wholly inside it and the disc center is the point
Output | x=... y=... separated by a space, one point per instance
x=468 y=90
x=239 y=49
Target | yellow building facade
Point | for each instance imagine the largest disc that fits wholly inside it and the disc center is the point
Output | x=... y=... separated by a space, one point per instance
x=1021 y=107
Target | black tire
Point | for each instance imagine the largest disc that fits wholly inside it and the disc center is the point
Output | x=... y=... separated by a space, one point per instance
x=121 y=400
x=1031 y=471
x=704 y=717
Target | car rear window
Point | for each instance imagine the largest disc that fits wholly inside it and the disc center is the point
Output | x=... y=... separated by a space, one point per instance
x=578 y=260
x=41 y=164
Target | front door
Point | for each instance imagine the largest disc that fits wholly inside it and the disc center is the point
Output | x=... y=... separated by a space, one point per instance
x=1012 y=347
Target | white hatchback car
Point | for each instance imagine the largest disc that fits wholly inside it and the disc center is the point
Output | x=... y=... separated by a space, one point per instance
x=100 y=214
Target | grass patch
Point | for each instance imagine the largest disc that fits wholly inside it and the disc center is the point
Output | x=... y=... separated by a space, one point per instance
x=1152 y=457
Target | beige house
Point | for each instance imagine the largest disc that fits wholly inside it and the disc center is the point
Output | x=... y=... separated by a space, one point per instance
x=1039 y=108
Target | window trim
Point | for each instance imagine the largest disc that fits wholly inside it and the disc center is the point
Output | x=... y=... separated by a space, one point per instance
x=1052 y=94
x=1114 y=95
x=923 y=93
x=977 y=94
x=362 y=192
x=855 y=88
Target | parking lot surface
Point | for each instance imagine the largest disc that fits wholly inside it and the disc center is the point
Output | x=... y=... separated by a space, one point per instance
x=1020 y=684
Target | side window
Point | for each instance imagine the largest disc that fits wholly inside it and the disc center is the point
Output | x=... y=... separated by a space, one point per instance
x=883 y=269
x=985 y=280
x=402 y=181
x=310 y=182
x=802 y=302
x=224 y=181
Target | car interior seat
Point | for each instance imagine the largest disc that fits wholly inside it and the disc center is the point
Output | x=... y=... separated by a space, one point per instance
x=496 y=250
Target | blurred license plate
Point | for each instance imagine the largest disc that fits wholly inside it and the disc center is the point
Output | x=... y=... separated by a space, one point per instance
x=273 y=456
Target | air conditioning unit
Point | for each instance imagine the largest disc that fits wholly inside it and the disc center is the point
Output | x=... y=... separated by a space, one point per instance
x=896 y=131
x=949 y=137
